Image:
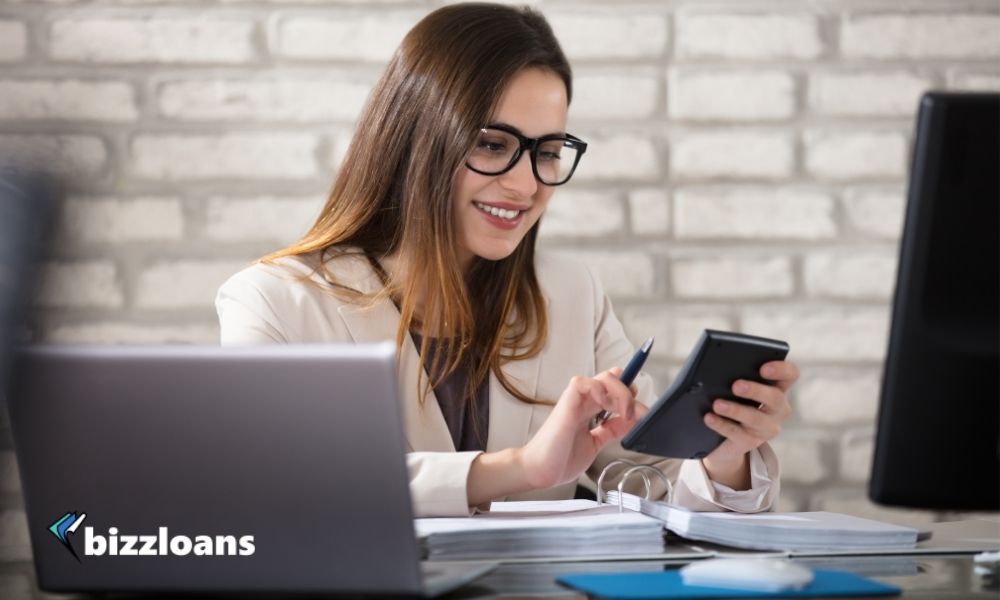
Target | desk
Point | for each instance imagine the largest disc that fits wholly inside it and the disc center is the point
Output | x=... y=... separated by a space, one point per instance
x=940 y=567
x=921 y=576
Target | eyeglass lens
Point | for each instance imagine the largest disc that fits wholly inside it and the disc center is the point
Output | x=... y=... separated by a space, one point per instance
x=495 y=149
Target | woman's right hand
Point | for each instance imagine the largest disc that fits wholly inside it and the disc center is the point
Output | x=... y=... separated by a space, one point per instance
x=565 y=445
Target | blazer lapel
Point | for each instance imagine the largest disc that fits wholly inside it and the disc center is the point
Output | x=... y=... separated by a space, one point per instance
x=426 y=429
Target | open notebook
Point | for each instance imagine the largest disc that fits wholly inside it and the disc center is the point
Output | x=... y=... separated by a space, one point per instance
x=773 y=531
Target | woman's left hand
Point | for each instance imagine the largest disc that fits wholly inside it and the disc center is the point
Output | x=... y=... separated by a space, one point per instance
x=747 y=427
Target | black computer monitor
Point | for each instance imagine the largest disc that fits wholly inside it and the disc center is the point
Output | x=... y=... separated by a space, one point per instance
x=937 y=444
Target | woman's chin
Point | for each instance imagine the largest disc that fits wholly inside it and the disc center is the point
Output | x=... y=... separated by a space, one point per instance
x=495 y=251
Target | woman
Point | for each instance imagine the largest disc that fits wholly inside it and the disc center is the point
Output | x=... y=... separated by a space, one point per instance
x=428 y=238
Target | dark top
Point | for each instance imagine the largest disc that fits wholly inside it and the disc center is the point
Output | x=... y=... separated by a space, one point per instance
x=467 y=422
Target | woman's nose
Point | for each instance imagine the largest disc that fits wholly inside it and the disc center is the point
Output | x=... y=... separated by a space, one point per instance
x=521 y=177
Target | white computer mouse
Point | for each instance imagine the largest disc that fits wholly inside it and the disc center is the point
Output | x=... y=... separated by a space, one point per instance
x=757 y=574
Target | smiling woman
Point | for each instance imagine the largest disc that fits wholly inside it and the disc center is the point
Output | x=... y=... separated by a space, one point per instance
x=428 y=237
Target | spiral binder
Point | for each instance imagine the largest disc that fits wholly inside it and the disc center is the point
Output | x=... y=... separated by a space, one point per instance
x=633 y=469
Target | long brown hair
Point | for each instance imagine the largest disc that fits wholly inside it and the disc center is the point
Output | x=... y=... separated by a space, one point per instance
x=393 y=192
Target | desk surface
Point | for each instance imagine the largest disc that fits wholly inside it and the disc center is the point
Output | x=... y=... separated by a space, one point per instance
x=938 y=570
x=920 y=576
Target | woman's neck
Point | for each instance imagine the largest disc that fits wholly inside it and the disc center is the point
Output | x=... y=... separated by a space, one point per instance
x=397 y=271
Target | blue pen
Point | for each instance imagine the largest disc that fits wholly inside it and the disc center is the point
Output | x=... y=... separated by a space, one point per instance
x=628 y=375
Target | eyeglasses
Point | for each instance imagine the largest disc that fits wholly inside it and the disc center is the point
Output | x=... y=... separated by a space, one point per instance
x=553 y=157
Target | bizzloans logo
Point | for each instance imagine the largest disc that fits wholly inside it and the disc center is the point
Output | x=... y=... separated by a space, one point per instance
x=161 y=544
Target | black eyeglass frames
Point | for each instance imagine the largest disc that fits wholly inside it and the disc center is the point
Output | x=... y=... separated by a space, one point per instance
x=499 y=147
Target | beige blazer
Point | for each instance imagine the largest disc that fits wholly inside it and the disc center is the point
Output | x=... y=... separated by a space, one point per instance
x=273 y=304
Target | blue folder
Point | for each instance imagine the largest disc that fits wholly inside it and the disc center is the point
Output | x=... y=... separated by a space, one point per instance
x=668 y=584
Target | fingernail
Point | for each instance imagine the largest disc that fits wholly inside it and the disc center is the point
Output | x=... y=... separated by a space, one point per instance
x=711 y=419
x=767 y=371
x=721 y=406
x=742 y=387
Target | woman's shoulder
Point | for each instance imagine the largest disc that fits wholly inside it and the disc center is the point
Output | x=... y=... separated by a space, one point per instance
x=290 y=299
x=559 y=271
x=306 y=274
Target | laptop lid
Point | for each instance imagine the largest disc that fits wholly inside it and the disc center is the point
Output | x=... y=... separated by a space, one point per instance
x=266 y=469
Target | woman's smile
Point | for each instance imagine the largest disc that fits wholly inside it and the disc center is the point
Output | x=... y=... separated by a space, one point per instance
x=501 y=216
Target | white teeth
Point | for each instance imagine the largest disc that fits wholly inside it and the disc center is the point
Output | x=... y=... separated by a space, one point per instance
x=498 y=212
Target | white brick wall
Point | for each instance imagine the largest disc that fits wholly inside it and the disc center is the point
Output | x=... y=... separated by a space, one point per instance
x=341 y=142
x=697 y=95
x=876 y=212
x=719 y=278
x=732 y=154
x=856 y=450
x=158 y=40
x=748 y=36
x=279 y=220
x=71 y=100
x=676 y=328
x=603 y=35
x=801 y=456
x=650 y=208
x=867 y=94
x=345 y=37
x=831 y=397
x=133 y=333
x=183 y=283
x=81 y=284
x=626 y=273
x=614 y=96
x=115 y=220
x=749 y=213
x=581 y=214
x=746 y=171
x=974 y=81
x=851 y=275
x=840 y=154
x=921 y=36
x=263 y=99
x=13 y=41
x=65 y=155
x=817 y=333
x=618 y=157
x=251 y=155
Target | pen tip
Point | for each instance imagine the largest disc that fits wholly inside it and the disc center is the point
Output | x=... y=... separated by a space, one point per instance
x=648 y=344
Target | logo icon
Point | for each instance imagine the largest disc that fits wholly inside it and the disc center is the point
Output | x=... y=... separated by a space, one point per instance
x=67 y=524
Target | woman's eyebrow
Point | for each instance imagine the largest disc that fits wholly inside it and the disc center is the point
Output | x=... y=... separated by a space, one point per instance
x=518 y=130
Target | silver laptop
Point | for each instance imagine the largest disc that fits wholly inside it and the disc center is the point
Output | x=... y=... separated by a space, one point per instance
x=264 y=469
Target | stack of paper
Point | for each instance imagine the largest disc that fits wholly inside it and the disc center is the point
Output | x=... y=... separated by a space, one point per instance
x=775 y=531
x=541 y=529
